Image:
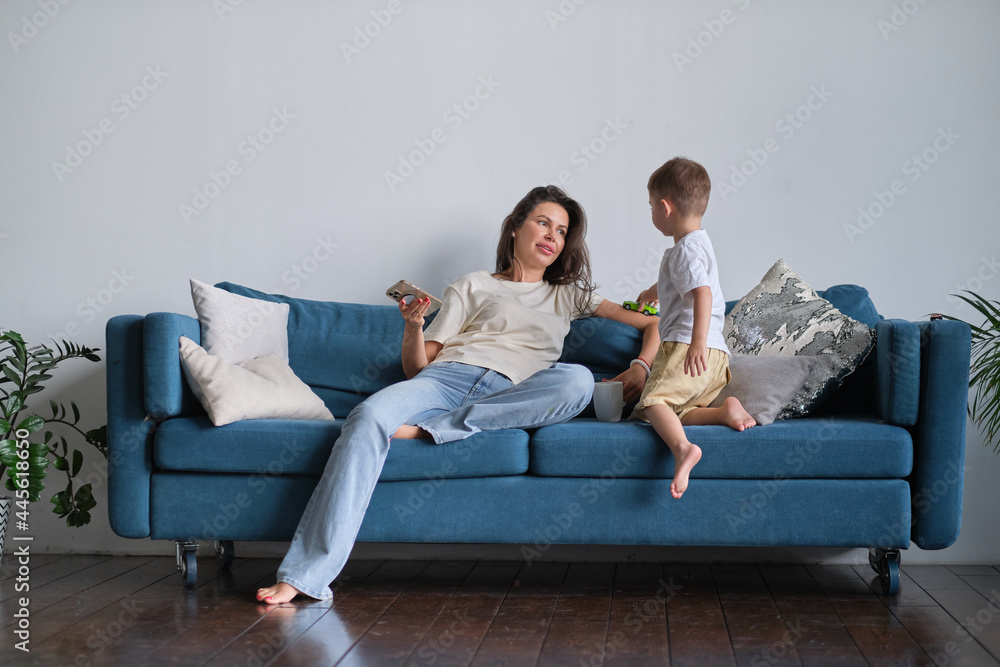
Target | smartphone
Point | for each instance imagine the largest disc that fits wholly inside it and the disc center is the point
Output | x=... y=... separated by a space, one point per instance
x=404 y=289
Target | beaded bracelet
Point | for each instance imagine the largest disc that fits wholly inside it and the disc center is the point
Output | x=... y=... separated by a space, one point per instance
x=641 y=362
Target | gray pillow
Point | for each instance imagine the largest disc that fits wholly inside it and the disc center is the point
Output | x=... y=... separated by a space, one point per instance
x=772 y=388
x=784 y=317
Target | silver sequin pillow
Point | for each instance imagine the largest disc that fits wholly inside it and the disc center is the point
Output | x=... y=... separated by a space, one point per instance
x=783 y=316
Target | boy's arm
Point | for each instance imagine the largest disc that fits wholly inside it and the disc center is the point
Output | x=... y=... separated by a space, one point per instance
x=697 y=356
x=649 y=295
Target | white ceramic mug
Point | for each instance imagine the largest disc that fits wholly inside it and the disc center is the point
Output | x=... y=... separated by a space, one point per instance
x=608 y=401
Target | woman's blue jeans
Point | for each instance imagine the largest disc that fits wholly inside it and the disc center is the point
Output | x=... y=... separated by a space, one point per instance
x=449 y=400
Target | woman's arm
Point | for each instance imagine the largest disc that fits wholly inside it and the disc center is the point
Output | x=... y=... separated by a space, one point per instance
x=634 y=378
x=416 y=353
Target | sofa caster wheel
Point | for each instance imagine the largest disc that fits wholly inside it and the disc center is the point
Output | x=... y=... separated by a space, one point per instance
x=885 y=562
x=187 y=561
x=890 y=577
x=225 y=551
x=873 y=559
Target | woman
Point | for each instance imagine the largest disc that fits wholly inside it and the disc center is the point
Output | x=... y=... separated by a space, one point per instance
x=486 y=362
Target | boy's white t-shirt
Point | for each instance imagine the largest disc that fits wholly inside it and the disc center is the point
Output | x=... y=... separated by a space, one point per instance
x=516 y=329
x=688 y=264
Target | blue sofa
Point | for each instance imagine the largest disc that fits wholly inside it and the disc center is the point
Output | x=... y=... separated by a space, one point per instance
x=880 y=465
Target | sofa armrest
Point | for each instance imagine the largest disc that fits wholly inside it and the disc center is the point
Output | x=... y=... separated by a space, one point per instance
x=897 y=371
x=166 y=392
x=130 y=431
x=937 y=480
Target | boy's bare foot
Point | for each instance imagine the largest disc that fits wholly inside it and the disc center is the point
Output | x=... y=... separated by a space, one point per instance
x=280 y=592
x=736 y=416
x=690 y=455
x=408 y=432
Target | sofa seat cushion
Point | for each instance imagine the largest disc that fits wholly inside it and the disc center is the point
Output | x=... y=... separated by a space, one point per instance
x=286 y=447
x=842 y=447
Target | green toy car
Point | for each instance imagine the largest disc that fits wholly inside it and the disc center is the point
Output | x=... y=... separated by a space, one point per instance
x=645 y=310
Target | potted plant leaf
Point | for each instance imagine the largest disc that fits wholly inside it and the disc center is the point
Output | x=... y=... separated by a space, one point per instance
x=24 y=456
x=985 y=372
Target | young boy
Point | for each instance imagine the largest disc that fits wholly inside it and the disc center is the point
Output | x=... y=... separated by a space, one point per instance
x=692 y=364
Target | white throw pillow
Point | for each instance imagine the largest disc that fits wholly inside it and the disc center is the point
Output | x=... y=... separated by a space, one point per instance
x=260 y=388
x=237 y=328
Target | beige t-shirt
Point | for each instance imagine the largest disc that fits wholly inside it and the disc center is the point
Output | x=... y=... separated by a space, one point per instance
x=513 y=328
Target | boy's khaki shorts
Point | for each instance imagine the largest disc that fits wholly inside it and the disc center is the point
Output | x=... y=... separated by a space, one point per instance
x=669 y=385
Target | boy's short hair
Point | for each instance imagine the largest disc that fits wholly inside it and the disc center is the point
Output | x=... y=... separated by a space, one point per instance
x=685 y=183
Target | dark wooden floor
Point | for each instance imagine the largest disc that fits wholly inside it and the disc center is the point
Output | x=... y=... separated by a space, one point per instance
x=98 y=610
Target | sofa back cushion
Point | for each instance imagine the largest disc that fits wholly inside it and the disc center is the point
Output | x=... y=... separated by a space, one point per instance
x=851 y=300
x=604 y=346
x=347 y=351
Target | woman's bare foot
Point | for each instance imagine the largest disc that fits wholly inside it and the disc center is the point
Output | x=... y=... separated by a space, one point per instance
x=689 y=456
x=408 y=432
x=736 y=416
x=280 y=592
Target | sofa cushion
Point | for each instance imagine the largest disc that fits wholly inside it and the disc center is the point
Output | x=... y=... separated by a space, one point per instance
x=847 y=446
x=165 y=390
x=897 y=380
x=604 y=346
x=285 y=447
x=852 y=301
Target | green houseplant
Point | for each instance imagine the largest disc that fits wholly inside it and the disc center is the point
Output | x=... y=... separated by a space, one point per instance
x=985 y=372
x=24 y=457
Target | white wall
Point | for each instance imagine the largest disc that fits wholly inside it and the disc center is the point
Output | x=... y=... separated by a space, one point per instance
x=105 y=234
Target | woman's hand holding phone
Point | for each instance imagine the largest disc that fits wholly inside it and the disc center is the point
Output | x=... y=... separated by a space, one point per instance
x=413 y=310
